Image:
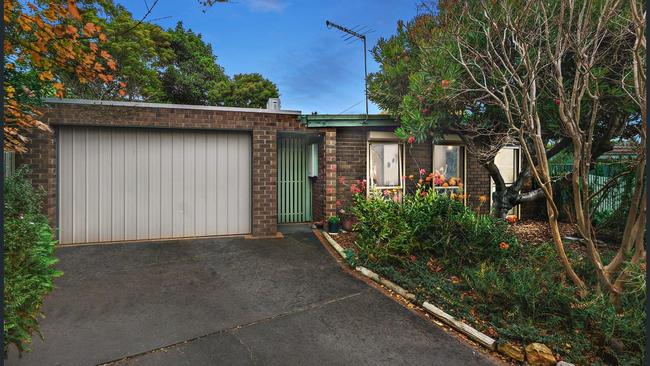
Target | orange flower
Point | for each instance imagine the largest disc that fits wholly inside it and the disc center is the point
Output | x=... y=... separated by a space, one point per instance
x=452 y=182
x=483 y=198
x=411 y=177
x=445 y=185
x=455 y=280
x=504 y=246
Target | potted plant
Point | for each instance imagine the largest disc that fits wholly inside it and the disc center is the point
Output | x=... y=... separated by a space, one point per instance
x=347 y=221
x=333 y=224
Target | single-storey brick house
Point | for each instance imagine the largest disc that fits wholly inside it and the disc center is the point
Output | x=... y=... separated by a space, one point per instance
x=118 y=171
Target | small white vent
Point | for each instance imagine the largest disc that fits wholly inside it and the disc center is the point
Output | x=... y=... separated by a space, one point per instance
x=273 y=104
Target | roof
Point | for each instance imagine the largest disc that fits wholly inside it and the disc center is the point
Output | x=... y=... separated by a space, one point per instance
x=165 y=105
x=348 y=120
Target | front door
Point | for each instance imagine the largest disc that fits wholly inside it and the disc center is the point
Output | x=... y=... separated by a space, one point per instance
x=294 y=187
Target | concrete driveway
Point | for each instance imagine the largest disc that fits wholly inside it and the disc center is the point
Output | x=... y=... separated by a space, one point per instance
x=228 y=301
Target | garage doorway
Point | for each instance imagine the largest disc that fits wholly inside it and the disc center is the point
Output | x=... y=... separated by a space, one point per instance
x=118 y=184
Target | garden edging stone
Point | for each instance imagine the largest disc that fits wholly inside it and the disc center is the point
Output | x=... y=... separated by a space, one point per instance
x=463 y=328
x=470 y=332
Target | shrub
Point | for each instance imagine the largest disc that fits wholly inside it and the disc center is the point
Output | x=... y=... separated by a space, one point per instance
x=470 y=266
x=28 y=260
x=428 y=222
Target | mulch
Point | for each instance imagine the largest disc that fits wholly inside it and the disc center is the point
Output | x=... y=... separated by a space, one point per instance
x=346 y=239
x=539 y=231
x=531 y=231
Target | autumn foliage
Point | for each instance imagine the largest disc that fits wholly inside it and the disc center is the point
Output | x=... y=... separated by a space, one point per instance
x=44 y=40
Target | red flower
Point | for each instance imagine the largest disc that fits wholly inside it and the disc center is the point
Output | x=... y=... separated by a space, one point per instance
x=557 y=101
x=504 y=246
x=444 y=84
x=411 y=139
x=338 y=203
x=413 y=258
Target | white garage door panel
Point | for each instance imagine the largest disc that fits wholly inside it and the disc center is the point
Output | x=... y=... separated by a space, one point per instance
x=132 y=184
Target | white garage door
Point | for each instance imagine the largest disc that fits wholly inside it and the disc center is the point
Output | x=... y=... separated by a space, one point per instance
x=133 y=184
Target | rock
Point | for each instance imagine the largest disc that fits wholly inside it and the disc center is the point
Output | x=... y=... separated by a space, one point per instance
x=511 y=350
x=538 y=354
x=563 y=363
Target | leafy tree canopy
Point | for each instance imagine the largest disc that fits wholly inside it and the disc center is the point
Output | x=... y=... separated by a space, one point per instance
x=140 y=49
x=44 y=44
x=193 y=70
x=244 y=90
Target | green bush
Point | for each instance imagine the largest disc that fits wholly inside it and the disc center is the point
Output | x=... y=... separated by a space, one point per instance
x=470 y=266
x=28 y=261
x=431 y=223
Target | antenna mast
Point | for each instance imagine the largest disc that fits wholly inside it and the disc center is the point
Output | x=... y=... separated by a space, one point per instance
x=362 y=37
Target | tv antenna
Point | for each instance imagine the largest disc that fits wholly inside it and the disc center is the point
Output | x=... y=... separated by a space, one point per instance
x=357 y=33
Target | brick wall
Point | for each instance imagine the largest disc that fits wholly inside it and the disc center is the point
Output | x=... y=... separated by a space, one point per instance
x=263 y=127
x=477 y=184
x=350 y=160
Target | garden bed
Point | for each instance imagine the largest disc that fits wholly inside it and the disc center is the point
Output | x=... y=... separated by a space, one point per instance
x=538 y=231
x=503 y=280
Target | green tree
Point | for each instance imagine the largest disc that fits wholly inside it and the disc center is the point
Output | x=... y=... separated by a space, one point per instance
x=141 y=50
x=193 y=71
x=244 y=90
x=421 y=82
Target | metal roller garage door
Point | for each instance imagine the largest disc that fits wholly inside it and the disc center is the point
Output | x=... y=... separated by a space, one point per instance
x=133 y=184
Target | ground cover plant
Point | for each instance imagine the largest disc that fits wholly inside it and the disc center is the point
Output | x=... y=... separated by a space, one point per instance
x=28 y=260
x=473 y=267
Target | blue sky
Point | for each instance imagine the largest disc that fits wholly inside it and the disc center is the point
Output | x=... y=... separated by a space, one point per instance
x=287 y=41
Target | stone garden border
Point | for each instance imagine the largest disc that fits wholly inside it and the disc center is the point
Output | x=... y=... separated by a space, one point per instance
x=470 y=332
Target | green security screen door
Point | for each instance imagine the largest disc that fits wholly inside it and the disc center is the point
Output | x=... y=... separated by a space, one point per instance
x=294 y=187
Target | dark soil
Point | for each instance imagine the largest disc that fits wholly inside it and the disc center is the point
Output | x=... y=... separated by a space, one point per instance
x=538 y=231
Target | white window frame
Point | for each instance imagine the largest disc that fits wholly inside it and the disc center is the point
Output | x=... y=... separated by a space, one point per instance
x=518 y=161
x=384 y=138
x=462 y=161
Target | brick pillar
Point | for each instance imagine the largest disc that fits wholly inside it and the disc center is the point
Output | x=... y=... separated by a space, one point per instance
x=477 y=183
x=41 y=159
x=265 y=213
x=330 y=172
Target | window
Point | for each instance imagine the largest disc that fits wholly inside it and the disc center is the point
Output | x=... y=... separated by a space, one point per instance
x=385 y=165
x=449 y=161
x=507 y=160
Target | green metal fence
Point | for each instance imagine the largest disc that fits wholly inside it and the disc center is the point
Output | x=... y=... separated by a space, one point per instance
x=294 y=187
x=610 y=199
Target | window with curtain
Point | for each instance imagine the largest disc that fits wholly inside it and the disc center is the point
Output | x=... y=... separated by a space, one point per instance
x=385 y=165
x=449 y=162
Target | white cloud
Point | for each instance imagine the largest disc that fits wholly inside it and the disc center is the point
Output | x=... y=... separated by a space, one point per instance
x=265 y=6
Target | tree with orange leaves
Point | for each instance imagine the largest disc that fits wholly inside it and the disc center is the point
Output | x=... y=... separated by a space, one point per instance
x=44 y=40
